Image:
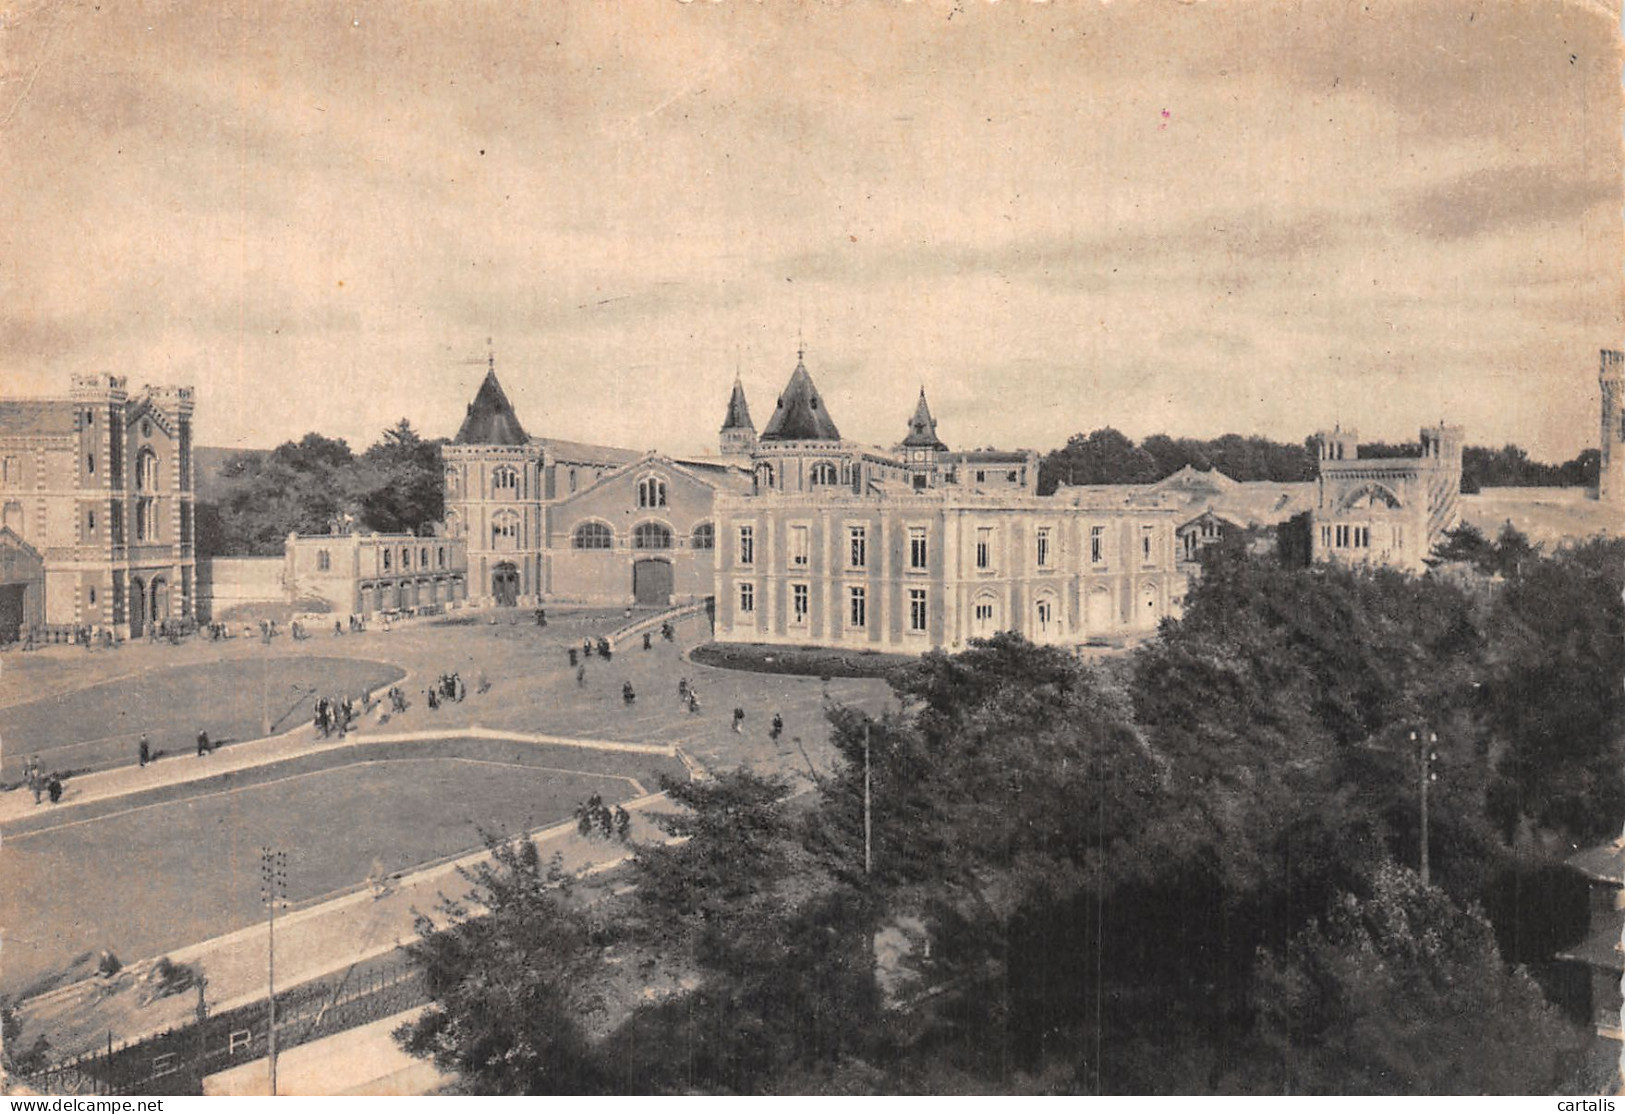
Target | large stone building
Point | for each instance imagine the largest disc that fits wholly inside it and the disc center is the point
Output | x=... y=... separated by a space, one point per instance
x=551 y=520
x=96 y=509
x=1388 y=510
x=918 y=547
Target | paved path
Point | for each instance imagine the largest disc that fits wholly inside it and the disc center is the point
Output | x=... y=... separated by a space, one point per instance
x=362 y=1061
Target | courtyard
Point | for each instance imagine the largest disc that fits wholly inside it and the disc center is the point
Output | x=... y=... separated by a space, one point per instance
x=143 y=862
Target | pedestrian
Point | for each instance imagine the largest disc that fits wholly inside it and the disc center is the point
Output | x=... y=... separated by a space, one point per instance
x=693 y=701
x=203 y=747
x=434 y=699
x=623 y=823
x=682 y=689
x=54 y=788
x=572 y=655
x=778 y=727
x=666 y=632
x=647 y=644
x=581 y=675
x=145 y=750
x=36 y=781
x=627 y=694
x=458 y=689
x=739 y=721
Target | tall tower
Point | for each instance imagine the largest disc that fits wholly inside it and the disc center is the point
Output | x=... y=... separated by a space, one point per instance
x=921 y=446
x=738 y=432
x=1611 y=475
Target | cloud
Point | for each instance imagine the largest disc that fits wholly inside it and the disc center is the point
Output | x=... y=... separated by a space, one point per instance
x=1488 y=200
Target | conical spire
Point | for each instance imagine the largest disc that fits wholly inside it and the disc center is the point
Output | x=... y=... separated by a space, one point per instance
x=800 y=415
x=490 y=419
x=922 y=428
x=738 y=413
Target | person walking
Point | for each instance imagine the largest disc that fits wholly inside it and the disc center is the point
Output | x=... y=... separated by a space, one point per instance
x=54 y=789
x=581 y=675
x=203 y=747
x=36 y=781
x=778 y=727
x=144 y=750
x=627 y=695
x=739 y=721
x=648 y=643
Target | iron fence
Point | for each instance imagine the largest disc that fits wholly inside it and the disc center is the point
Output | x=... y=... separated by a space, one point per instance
x=176 y=1061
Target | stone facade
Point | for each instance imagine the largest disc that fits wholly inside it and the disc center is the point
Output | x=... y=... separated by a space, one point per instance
x=363 y=574
x=100 y=486
x=1385 y=511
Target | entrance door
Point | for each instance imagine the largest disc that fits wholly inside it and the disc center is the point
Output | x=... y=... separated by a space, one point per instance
x=505 y=584
x=1099 y=613
x=138 y=607
x=651 y=583
x=987 y=617
x=160 y=601
x=11 y=612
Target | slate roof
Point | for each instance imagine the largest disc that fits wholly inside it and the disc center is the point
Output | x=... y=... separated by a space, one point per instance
x=24 y=417
x=801 y=415
x=738 y=416
x=922 y=428
x=490 y=419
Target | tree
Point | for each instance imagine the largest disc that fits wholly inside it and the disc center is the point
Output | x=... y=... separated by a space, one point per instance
x=510 y=981
x=399 y=484
x=1103 y=457
x=1399 y=990
x=301 y=486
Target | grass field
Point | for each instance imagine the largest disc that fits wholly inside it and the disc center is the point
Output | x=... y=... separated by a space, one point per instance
x=97 y=726
x=155 y=875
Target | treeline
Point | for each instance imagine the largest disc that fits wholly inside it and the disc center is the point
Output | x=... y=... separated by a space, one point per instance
x=1106 y=456
x=307 y=486
x=1189 y=870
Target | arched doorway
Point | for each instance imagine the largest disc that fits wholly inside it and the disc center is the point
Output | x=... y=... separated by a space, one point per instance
x=1098 y=615
x=1148 y=605
x=138 y=607
x=159 y=611
x=505 y=584
x=651 y=582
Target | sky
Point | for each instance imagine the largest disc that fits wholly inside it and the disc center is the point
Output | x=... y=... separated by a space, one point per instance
x=1192 y=218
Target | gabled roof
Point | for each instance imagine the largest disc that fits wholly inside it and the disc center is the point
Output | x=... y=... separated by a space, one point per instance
x=800 y=415
x=1601 y=947
x=738 y=416
x=1190 y=478
x=1603 y=863
x=490 y=419
x=922 y=428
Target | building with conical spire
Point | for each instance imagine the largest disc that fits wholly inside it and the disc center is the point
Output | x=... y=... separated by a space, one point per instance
x=738 y=431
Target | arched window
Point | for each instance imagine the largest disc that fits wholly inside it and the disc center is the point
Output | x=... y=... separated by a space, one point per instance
x=764 y=477
x=651 y=492
x=146 y=471
x=440 y=557
x=453 y=480
x=704 y=537
x=823 y=474
x=324 y=560
x=406 y=557
x=592 y=535
x=454 y=525
x=505 y=531
x=651 y=535
x=423 y=557
x=573 y=479
x=504 y=482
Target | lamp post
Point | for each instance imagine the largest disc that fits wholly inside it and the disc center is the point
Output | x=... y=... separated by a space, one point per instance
x=273 y=889
x=1426 y=755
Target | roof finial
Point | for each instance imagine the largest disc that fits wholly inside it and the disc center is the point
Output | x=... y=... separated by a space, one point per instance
x=490 y=356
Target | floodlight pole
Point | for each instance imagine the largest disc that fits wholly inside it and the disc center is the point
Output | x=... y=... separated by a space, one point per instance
x=274 y=875
x=1425 y=755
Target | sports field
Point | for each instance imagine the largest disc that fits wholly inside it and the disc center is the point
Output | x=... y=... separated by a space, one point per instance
x=150 y=873
x=98 y=726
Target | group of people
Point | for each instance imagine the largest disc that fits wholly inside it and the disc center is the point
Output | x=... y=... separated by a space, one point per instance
x=593 y=817
x=40 y=783
x=335 y=714
x=451 y=687
x=688 y=695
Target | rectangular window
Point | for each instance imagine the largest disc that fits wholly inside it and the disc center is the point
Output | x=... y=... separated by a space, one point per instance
x=916 y=547
x=916 y=609
x=1097 y=545
x=747 y=599
x=858 y=557
x=747 y=545
x=1145 y=543
x=1043 y=547
x=799 y=594
x=90 y=522
x=984 y=547
x=11 y=473
x=1362 y=537
x=1399 y=537
x=90 y=464
x=799 y=547
x=859 y=609
x=1342 y=536
x=1325 y=537
x=981 y=477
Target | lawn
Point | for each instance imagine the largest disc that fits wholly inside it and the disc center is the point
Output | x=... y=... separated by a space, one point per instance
x=96 y=727
x=159 y=875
